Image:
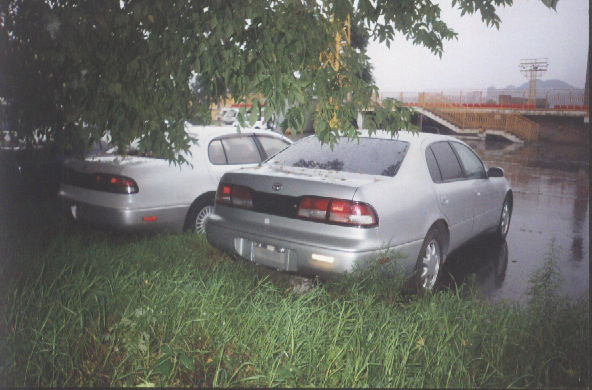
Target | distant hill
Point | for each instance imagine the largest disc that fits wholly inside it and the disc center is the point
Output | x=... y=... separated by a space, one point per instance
x=545 y=84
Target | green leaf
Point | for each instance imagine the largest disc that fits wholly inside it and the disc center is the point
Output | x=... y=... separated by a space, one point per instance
x=137 y=63
x=163 y=366
x=551 y=3
x=187 y=362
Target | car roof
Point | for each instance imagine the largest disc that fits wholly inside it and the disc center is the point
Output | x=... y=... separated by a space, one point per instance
x=404 y=135
x=206 y=131
x=414 y=138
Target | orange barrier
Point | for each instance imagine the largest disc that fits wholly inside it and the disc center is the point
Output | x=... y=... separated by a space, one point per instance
x=493 y=98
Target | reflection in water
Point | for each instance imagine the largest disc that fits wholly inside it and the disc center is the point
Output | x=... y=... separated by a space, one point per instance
x=579 y=215
x=577 y=247
x=551 y=201
x=486 y=259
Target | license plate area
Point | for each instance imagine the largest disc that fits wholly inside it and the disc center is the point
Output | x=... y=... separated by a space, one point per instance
x=270 y=255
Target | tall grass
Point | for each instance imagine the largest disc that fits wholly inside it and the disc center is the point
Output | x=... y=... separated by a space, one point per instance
x=81 y=307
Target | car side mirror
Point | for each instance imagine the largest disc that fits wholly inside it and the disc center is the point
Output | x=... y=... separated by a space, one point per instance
x=495 y=172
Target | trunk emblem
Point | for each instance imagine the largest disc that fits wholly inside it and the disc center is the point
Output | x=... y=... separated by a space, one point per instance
x=276 y=186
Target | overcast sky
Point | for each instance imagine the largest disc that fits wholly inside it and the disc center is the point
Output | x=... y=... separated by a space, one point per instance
x=484 y=56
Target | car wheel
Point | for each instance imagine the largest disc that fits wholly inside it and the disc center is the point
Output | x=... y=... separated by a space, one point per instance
x=506 y=216
x=197 y=215
x=429 y=262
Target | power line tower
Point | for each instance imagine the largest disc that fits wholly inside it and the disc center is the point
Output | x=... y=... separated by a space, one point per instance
x=533 y=69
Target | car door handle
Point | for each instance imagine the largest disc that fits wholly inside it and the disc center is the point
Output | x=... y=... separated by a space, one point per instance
x=444 y=199
x=477 y=193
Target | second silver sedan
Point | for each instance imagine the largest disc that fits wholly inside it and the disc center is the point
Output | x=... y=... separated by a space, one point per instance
x=316 y=211
x=136 y=193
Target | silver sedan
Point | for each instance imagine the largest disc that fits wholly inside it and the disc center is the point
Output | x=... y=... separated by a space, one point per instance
x=315 y=211
x=135 y=193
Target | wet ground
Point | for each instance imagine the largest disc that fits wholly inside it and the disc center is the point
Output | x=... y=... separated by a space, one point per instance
x=551 y=191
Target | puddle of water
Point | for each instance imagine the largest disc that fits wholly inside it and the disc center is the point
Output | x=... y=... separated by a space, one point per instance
x=551 y=200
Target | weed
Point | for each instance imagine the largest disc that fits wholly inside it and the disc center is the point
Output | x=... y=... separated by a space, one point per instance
x=545 y=285
x=381 y=276
x=97 y=309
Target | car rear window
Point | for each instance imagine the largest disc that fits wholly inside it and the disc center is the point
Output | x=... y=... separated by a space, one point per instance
x=372 y=156
x=271 y=145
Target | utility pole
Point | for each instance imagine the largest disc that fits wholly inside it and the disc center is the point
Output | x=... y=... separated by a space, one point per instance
x=587 y=92
x=533 y=69
x=587 y=84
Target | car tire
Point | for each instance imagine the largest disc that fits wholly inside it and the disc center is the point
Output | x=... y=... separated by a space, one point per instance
x=198 y=213
x=429 y=262
x=505 y=217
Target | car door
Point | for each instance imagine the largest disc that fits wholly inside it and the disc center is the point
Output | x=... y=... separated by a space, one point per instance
x=484 y=201
x=454 y=194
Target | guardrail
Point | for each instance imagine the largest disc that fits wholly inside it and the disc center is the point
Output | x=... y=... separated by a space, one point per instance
x=550 y=99
x=515 y=124
x=464 y=117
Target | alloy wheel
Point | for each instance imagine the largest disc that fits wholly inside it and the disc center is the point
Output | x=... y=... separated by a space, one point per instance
x=200 y=219
x=505 y=219
x=431 y=265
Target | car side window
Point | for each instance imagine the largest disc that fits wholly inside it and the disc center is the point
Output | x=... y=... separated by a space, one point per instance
x=216 y=153
x=241 y=150
x=473 y=166
x=450 y=168
x=433 y=166
x=271 y=145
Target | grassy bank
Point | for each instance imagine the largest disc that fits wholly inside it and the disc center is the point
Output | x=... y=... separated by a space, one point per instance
x=81 y=307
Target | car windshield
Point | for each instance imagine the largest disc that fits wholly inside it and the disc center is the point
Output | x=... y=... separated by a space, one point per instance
x=373 y=156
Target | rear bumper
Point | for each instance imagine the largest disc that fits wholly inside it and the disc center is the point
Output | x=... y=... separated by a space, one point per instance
x=127 y=220
x=275 y=250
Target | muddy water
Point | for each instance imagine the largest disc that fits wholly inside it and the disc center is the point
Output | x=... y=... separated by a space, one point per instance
x=551 y=191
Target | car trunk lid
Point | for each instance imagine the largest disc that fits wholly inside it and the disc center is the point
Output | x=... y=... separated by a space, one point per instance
x=114 y=165
x=296 y=182
x=278 y=190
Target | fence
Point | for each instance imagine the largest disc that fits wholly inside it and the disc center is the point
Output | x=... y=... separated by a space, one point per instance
x=464 y=117
x=517 y=125
x=549 y=99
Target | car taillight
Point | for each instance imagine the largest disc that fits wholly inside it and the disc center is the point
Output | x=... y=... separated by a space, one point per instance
x=100 y=182
x=241 y=197
x=223 y=194
x=119 y=184
x=337 y=211
x=314 y=208
x=344 y=211
x=232 y=195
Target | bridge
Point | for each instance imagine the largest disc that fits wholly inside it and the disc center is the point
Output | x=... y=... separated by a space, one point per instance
x=498 y=112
